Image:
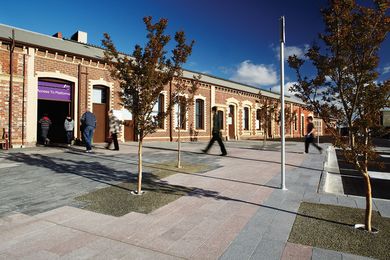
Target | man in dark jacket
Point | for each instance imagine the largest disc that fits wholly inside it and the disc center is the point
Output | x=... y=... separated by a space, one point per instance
x=88 y=121
x=216 y=134
x=309 y=138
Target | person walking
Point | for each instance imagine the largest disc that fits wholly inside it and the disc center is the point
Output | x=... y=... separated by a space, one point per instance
x=45 y=124
x=309 y=138
x=216 y=133
x=115 y=128
x=88 y=122
x=69 y=127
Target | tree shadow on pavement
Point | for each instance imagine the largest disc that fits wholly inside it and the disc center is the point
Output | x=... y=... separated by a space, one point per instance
x=100 y=173
x=236 y=157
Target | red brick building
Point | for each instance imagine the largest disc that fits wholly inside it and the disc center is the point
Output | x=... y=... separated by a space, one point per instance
x=59 y=77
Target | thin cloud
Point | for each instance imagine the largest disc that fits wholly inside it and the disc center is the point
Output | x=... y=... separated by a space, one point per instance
x=386 y=70
x=255 y=74
x=292 y=50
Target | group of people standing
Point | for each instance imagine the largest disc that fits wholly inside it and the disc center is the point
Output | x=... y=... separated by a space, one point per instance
x=87 y=128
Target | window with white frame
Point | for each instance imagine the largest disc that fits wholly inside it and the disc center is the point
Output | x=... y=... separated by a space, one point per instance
x=180 y=113
x=295 y=123
x=199 y=114
x=258 y=119
x=245 y=118
x=158 y=111
x=220 y=119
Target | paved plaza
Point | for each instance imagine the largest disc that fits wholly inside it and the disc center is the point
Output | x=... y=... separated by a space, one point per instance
x=236 y=210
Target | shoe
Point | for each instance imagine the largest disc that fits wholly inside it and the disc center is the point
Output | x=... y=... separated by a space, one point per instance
x=204 y=151
x=223 y=154
x=321 y=151
x=88 y=151
x=116 y=149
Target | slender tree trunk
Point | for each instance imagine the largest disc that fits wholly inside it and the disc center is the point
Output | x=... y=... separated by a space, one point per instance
x=368 y=215
x=367 y=182
x=139 y=190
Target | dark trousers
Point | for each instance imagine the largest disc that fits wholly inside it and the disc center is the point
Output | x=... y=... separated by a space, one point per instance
x=44 y=133
x=114 y=138
x=310 y=140
x=88 y=134
x=69 y=136
x=216 y=137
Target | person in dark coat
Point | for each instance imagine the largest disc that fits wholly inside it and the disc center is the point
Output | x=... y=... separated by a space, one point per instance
x=216 y=134
x=45 y=124
x=115 y=128
x=309 y=138
x=88 y=121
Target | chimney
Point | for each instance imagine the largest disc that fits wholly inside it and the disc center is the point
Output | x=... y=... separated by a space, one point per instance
x=80 y=36
x=58 y=35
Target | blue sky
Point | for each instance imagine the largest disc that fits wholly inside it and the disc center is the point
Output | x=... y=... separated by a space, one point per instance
x=235 y=39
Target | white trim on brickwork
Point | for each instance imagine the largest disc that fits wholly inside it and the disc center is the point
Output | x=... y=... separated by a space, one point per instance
x=100 y=82
x=32 y=99
x=234 y=102
x=165 y=93
x=175 y=117
x=204 y=113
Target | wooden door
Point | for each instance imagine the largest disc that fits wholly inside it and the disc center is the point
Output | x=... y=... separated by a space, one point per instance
x=129 y=130
x=101 y=131
x=231 y=123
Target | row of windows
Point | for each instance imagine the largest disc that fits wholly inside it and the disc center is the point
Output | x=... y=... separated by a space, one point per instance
x=180 y=112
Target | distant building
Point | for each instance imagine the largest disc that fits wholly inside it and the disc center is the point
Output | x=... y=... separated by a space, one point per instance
x=59 y=76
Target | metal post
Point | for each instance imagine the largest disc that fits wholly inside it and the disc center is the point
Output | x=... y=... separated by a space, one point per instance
x=11 y=82
x=282 y=126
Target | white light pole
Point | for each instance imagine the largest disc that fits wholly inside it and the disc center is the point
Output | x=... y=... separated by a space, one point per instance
x=282 y=127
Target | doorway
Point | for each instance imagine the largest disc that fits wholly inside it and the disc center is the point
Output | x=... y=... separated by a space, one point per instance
x=231 y=123
x=55 y=100
x=100 y=109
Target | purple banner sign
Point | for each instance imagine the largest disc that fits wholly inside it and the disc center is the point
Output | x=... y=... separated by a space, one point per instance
x=54 y=91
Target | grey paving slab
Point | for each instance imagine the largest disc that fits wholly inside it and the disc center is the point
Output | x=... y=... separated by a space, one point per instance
x=346 y=256
x=324 y=254
x=383 y=207
x=268 y=249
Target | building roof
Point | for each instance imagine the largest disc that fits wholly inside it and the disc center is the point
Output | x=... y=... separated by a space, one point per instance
x=35 y=39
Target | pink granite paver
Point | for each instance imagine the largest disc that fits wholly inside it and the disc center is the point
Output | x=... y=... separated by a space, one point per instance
x=296 y=252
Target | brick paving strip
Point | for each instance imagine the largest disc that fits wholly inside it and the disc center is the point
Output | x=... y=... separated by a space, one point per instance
x=236 y=212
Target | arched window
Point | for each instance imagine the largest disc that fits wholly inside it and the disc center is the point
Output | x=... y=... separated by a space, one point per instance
x=258 y=119
x=181 y=112
x=220 y=119
x=245 y=118
x=159 y=110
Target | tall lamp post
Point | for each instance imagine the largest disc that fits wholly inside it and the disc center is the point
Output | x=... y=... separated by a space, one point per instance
x=282 y=126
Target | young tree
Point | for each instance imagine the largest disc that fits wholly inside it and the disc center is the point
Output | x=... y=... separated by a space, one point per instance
x=183 y=98
x=346 y=86
x=143 y=76
x=267 y=114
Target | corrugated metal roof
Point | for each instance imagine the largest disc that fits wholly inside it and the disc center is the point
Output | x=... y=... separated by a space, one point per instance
x=34 y=39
